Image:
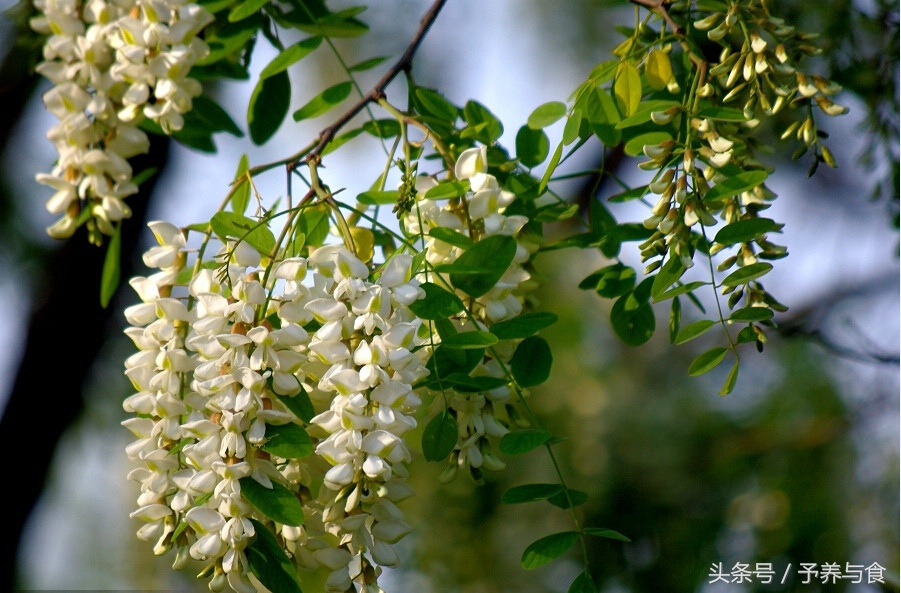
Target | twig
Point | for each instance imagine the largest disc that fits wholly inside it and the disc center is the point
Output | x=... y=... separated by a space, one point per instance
x=660 y=7
x=405 y=63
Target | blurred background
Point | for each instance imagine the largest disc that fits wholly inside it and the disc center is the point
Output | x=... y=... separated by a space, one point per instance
x=799 y=465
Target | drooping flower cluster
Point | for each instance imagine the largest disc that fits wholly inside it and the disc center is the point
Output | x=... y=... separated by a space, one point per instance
x=112 y=65
x=223 y=369
x=478 y=214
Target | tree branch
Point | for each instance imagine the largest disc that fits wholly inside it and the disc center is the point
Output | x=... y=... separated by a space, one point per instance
x=405 y=63
x=660 y=7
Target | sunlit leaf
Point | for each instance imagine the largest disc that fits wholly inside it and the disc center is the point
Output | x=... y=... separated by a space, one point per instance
x=324 y=101
x=542 y=551
x=278 y=503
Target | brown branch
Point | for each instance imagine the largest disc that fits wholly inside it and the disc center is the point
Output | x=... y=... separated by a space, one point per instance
x=660 y=7
x=404 y=64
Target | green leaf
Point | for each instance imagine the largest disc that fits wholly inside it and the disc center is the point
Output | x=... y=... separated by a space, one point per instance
x=669 y=274
x=324 y=101
x=658 y=70
x=289 y=441
x=268 y=106
x=571 y=130
x=679 y=290
x=551 y=167
x=546 y=114
x=109 y=279
x=213 y=118
x=236 y=226
x=632 y=319
x=246 y=9
x=693 y=330
x=523 y=441
x=530 y=493
x=339 y=141
x=241 y=196
x=367 y=64
x=608 y=533
x=735 y=185
x=338 y=24
x=707 y=361
x=314 y=224
x=466 y=384
x=532 y=146
x=445 y=362
x=488 y=127
x=582 y=584
x=747 y=273
x=437 y=303
x=277 y=503
x=635 y=146
x=749 y=314
x=729 y=384
x=439 y=437
x=448 y=235
x=722 y=114
x=469 y=340
x=446 y=190
x=542 y=551
x=378 y=198
x=642 y=115
x=523 y=326
x=290 y=56
x=576 y=498
x=299 y=404
x=531 y=362
x=627 y=88
x=746 y=230
x=382 y=128
x=269 y=563
x=675 y=319
x=434 y=104
x=478 y=269
x=630 y=194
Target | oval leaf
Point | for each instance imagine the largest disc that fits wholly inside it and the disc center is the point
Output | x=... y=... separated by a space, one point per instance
x=470 y=340
x=747 y=273
x=633 y=320
x=693 y=330
x=527 y=324
x=268 y=106
x=437 y=303
x=530 y=493
x=288 y=441
x=608 y=533
x=582 y=584
x=439 y=437
x=446 y=190
x=707 y=361
x=743 y=231
x=479 y=268
x=531 y=362
x=548 y=548
x=269 y=563
x=749 y=314
x=324 y=101
x=277 y=503
x=562 y=501
x=627 y=89
x=378 y=198
x=290 y=56
x=523 y=441
x=736 y=185
x=448 y=235
x=235 y=226
x=532 y=146
x=546 y=114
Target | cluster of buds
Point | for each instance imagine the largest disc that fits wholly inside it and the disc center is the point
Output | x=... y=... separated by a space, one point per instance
x=224 y=367
x=112 y=65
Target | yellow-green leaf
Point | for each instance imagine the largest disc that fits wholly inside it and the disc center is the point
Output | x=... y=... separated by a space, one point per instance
x=627 y=88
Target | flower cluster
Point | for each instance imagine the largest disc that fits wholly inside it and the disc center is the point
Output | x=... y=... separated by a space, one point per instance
x=112 y=65
x=225 y=368
x=477 y=214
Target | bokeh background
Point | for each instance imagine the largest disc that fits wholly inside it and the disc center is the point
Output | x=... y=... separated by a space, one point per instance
x=799 y=465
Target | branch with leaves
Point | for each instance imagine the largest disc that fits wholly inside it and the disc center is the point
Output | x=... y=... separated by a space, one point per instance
x=285 y=357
